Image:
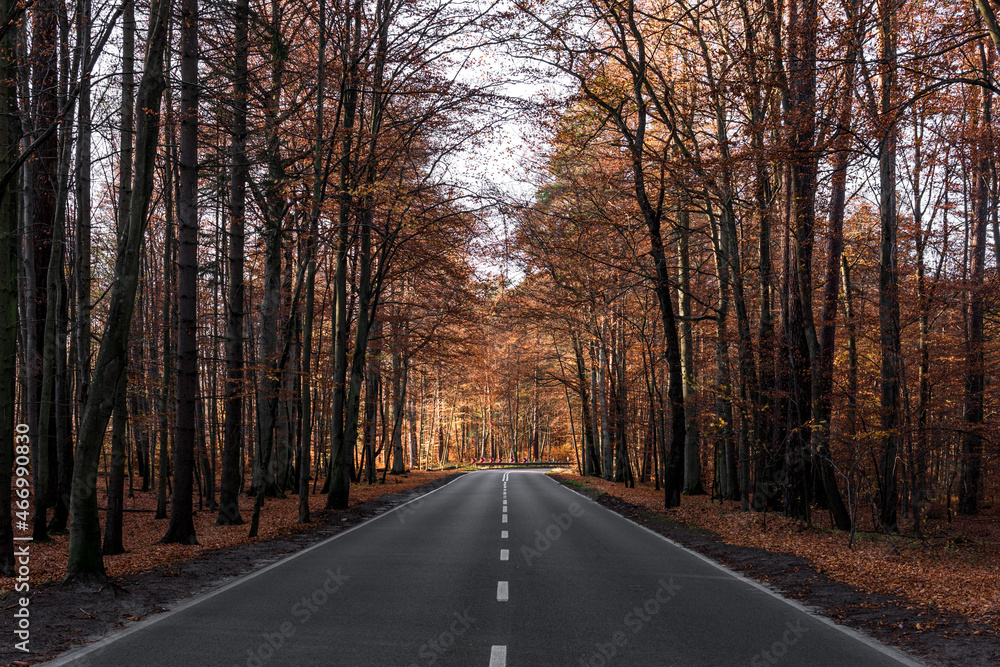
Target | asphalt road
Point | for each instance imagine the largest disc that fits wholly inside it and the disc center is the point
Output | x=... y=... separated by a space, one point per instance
x=495 y=569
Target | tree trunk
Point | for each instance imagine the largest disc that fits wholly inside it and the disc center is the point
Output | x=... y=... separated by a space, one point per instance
x=116 y=482
x=593 y=459
x=10 y=443
x=975 y=377
x=82 y=270
x=43 y=194
x=181 y=527
x=85 y=560
x=275 y=207
x=339 y=473
x=373 y=398
x=692 y=459
x=233 y=442
x=399 y=370
x=167 y=352
x=823 y=399
x=889 y=327
x=305 y=437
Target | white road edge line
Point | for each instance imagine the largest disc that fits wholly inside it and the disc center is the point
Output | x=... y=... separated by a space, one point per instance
x=502 y=591
x=498 y=656
x=190 y=602
x=505 y=554
x=885 y=649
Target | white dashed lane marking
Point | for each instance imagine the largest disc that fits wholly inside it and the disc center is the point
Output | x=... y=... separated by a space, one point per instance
x=498 y=656
x=498 y=653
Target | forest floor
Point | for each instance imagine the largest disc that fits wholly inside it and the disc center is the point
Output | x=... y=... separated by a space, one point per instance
x=149 y=577
x=936 y=597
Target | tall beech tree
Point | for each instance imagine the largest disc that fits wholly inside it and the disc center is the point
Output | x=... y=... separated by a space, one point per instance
x=10 y=139
x=233 y=435
x=181 y=528
x=86 y=563
x=975 y=372
x=888 y=279
x=627 y=108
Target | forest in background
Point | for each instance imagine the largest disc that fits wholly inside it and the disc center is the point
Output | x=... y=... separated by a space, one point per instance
x=240 y=254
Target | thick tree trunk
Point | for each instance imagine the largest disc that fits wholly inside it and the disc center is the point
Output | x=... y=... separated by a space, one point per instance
x=181 y=527
x=800 y=328
x=9 y=148
x=692 y=460
x=116 y=481
x=43 y=193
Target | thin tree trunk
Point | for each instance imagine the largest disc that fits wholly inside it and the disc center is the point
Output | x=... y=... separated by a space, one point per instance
x=167 y=353
x=889 y=327
x=593 y=460
x=823 y=399
x=339 y=474
x=399 y=368
x=975 y=377
x=233 y=443
x=310 y=251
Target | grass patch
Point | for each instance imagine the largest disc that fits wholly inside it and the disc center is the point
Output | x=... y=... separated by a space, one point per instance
x=574 y=484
